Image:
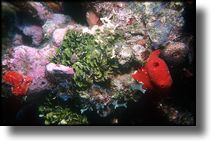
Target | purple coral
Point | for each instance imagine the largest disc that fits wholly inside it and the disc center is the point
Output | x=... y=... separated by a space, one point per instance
x=35 y=32
x=58 y=73
x=41 y=10
x=31 y=62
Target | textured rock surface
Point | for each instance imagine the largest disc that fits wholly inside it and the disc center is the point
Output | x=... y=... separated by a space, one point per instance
x=41 y=10
x=140 y=52
x=58 y=36
x=142 y=27
x=31 y=62
x=175 y=53
x=124 y=55
x=35 y=32
x=161 y=21
x=158 y=33
x=17 y=40
x=57 y=21
x=122 y=82
x=58 y=73
x=92 y=19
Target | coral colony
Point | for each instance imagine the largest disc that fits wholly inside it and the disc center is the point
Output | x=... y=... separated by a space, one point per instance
x=105 y=66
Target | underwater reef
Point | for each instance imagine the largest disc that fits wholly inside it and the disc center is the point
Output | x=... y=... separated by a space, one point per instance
x=98 y=63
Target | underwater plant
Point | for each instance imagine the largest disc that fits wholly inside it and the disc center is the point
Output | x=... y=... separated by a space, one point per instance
x=92 y=61
x=106 y=101
x=54 y=113
x=93 y=58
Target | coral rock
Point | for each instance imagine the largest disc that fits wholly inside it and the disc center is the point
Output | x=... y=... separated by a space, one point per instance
x=57 y=21
x=121 y=82
x=58 y=73
x=175 y=53
x=141 y=42
x=31 y=62
x=17 y=40
x=162 y=22
x=92 y=19
x=58 y=36
x=35 y=32
x=41 y=10
x=55 y=6
x=140 y=52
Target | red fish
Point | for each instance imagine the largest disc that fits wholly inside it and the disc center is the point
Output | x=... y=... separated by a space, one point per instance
x=20 y=83
x=155 y=73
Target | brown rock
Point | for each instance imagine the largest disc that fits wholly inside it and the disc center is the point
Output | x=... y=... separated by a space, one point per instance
x=55 y=6
x=175 y=53
x=141 y=42
x=92 y=19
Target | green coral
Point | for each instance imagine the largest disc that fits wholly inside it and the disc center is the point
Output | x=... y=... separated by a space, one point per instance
x=61 y=116
x=93 y=57
x=54 y=113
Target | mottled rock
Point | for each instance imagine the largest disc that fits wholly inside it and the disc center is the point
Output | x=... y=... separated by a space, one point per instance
x=118 y=10
x=41 y=10
x=141 y=42
x=58 y=73
x=176 y=115
x=31 y=62
x=35 y=32
x=124 y=54
x=175 y=53
x=152 y=8
x=122 y=82
x=55 y=6
x=140 y=53
x=162 y=22
x=92 y=19
x=17 y=40
x=158 y=33
x=58 y=36
x=57 y=21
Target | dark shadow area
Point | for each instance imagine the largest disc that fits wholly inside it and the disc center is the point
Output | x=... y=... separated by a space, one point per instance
x=76 y=11
x=142 y=130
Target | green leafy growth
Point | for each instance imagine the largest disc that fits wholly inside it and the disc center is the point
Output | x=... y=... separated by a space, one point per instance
x=122 y=95
x=54 y=113
x=94 y=63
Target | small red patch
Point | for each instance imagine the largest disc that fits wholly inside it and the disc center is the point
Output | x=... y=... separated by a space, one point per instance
x=141 y=76
x=19 y=82
x=131 y=21
x=154 y=73
x=141 y=42
x=13 y=78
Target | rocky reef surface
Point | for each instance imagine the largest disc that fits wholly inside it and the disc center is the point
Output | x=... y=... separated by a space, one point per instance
x=124 y=55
